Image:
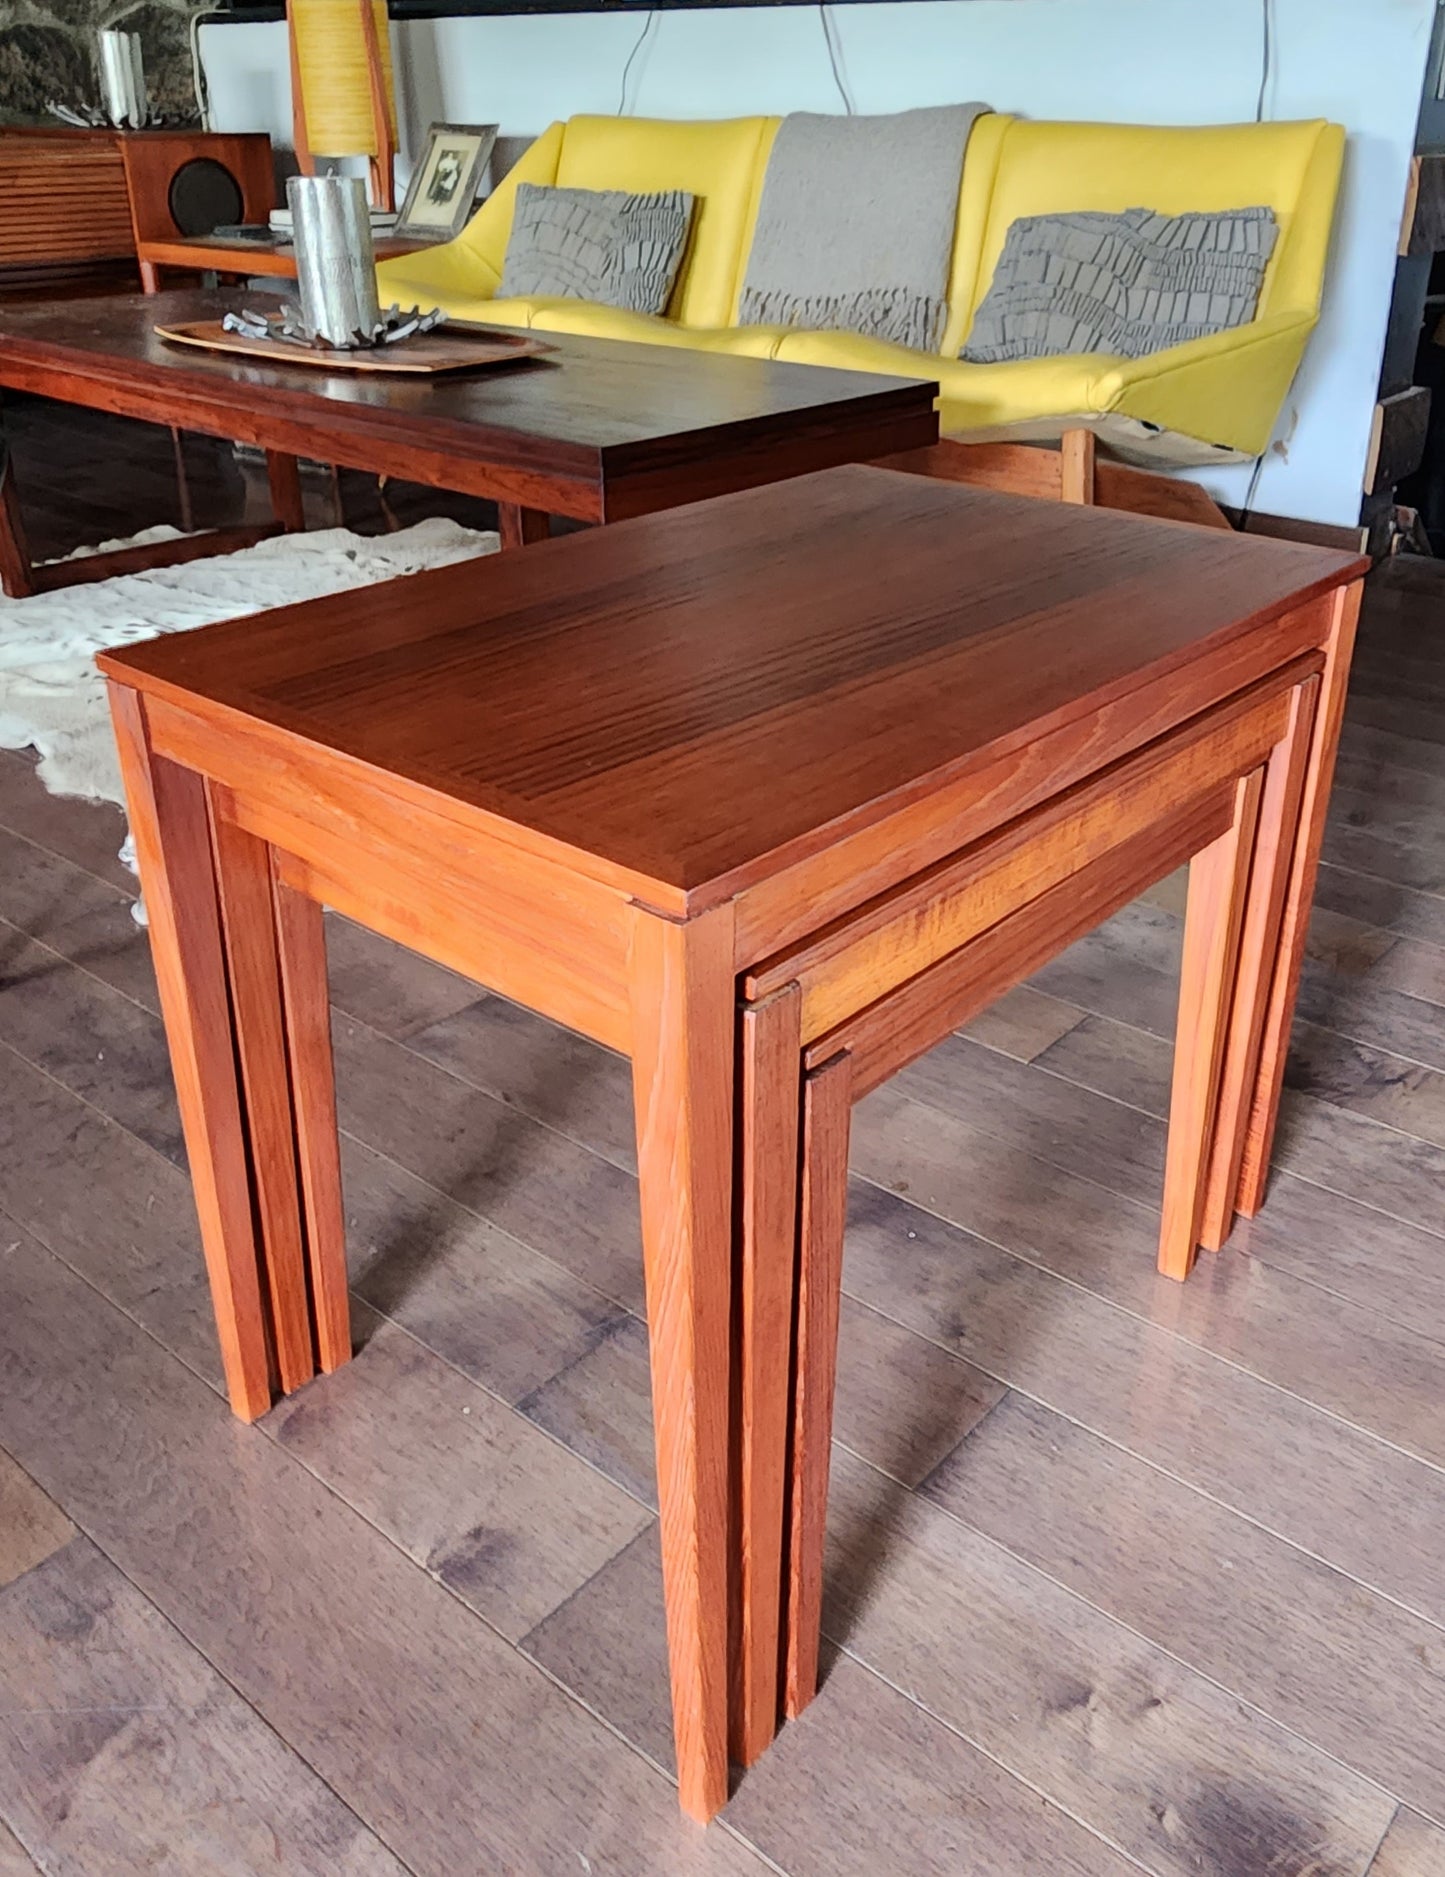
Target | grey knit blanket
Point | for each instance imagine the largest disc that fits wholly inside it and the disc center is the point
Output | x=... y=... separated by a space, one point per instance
x=856 y=223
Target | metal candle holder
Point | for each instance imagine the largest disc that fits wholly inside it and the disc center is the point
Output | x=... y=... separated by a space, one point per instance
x=335 y=261
x=391 y=327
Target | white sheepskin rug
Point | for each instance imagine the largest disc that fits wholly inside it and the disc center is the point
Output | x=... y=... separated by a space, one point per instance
x=52 y=697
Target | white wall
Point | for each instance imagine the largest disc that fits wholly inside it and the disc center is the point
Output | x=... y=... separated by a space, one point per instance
x=1360 y=62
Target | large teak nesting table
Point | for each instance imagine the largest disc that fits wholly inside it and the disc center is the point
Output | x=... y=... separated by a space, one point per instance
x=767 y=793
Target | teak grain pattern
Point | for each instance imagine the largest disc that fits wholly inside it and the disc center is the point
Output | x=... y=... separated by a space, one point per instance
x=738 y=684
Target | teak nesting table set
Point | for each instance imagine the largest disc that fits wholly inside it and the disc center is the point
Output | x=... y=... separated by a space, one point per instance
x=769 y=793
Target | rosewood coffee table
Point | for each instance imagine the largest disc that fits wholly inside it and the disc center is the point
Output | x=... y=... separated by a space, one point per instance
x=596 y=430
x=715 y=787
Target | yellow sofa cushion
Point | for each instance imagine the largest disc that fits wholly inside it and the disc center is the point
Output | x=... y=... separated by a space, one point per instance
x=718 y=163
x=972 y=397
x=1222 y=391
x=615 y=322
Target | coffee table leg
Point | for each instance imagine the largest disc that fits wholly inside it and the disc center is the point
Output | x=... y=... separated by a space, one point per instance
x=16 y=576
x=1339 y=646
x=768 y=1102
x=682 y=1000
x=822 y=1214
x=1258 y=951
x=1218 y=890
x=283 y=474
x=519 y=527
x=171 y=825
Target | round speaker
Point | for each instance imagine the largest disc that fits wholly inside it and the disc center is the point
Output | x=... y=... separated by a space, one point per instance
x=204 y=195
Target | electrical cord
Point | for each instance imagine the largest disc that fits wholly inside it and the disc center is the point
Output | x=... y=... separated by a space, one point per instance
x=1267 y=62
x=642 y=37
x=835 y=56
x=198 y=70
x=1266 y=72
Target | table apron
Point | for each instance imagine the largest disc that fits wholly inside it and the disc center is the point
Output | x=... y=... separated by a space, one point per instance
x=906 y=1022
x=793 y=902
x=320 y=439
x=519 y=923
x=890 y=941
x=676 y=473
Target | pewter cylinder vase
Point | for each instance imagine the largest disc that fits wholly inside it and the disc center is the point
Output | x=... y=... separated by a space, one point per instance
x=335 y=264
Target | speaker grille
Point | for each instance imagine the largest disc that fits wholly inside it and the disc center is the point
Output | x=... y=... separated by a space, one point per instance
x=204 y=195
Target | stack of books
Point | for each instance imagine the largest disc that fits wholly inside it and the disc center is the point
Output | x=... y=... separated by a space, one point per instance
x=383 y=221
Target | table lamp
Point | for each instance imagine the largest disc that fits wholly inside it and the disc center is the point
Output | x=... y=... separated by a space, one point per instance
x=343 y=92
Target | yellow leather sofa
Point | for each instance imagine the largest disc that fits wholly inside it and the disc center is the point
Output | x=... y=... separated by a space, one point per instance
x=1193 y=403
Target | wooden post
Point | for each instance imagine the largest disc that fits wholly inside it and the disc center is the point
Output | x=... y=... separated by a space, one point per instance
x=1218 y=889
x=171 y=825
x=827 y=1113
x=768 y=1101
x=1343 y=612
x=682 y=1005
x=1077 y=452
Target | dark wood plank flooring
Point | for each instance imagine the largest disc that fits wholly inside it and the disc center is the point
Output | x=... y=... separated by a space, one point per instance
x=1124 y=1577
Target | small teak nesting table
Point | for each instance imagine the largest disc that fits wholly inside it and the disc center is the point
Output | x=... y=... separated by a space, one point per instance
x=768 y=793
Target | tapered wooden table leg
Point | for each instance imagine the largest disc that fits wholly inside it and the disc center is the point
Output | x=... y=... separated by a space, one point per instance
x=283 y=473
x=768 y=1101
x=16 y=576
x=519 y=527
x=683 y=1022
x=1344 y=610
x=301 y=946
x=1218 y=890
x=171 y=825
x=243 y=877
x=185 y=507
x=1274 y=844
x=827 y=1109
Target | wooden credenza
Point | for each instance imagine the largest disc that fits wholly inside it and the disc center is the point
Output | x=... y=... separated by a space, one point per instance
x=77 y=206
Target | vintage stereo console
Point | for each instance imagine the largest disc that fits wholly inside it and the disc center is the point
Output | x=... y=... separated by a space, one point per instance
x=77 y=207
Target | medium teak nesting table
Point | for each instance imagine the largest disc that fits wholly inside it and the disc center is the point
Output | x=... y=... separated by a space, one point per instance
x=768 y=793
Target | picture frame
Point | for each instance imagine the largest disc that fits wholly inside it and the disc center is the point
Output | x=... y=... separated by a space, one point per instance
x=443 y=187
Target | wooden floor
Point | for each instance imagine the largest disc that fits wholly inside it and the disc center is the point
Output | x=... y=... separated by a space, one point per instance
x=1125 y=1577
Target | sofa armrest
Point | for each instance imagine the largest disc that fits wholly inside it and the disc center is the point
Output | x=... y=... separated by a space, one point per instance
x=458 y=273
x=1226 y=389
x=451 y=276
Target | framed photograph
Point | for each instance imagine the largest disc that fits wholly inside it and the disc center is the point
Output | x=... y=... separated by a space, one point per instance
x=445 y=182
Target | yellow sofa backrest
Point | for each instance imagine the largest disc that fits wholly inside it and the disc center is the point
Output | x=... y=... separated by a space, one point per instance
x=1012 y=168
x=721 y=163
x=1045 y=169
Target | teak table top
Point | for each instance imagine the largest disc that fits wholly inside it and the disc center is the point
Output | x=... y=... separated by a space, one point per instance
x=693 y=702
x=595 y=429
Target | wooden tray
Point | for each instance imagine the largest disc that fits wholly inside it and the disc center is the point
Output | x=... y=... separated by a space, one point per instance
x=445 y=350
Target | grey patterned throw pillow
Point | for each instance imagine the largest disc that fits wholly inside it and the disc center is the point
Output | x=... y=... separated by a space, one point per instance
x=1125 y=284
x=597 y=244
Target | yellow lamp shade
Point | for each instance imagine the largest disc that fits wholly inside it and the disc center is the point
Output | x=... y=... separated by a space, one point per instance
x=330 y=61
